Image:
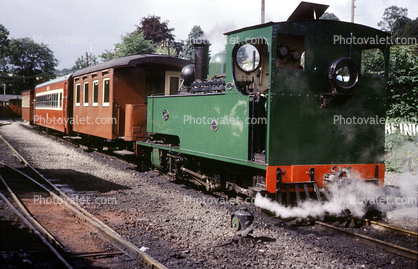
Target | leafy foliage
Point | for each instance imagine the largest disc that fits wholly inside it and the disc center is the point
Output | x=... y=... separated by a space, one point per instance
x=81 y=62
x=401 y=153
x=403 y=83
x=155 y=30
x=188 y=50
x=390 y=15
x=30 y=63
x=4 y=44
x=402 y=80
x=151 y=36
x=162 y=49
x=133 y=43
x=405 y=28
x=329 y=16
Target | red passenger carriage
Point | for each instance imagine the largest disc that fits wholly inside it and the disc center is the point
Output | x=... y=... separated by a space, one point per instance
x=105 y=101
x=110 y=98
x=52 y=108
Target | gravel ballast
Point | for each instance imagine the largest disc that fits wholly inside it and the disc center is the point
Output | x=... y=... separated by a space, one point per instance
x=181 y=226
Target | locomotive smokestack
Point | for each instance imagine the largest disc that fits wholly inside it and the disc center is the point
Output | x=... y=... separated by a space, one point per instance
x=201 y=57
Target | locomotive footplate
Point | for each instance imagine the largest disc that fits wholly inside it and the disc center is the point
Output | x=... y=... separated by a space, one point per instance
x=343 y=175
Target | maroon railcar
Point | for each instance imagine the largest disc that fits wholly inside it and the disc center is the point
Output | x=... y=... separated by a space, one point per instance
x=110 y=98
x=27 y=105
x=52 y=107
x=15 y=107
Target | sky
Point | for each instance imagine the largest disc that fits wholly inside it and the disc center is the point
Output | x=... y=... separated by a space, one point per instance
x=72 y=28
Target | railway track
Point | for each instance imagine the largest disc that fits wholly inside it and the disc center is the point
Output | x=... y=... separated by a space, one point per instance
x=398 y=250
x=373 y=240
x=70 y=232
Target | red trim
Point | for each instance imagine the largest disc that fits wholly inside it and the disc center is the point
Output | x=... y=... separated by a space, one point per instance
x=297 y=173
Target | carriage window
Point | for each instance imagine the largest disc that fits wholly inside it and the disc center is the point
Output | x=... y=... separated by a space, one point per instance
x=77 y=94
x=86 y=94
x=106 y=91
x=95 y=92
x=51 y=100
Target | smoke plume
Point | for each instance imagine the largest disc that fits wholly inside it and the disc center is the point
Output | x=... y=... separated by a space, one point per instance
x=354 y=195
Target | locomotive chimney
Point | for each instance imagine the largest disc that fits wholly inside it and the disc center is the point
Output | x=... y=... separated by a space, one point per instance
x=201 y=57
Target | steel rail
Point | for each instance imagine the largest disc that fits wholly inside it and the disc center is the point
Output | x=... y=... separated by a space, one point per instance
x=123 y=245
x=405 y=252
x=29 y=217
x=25 y=218
x=105 y=231
x=391 y=228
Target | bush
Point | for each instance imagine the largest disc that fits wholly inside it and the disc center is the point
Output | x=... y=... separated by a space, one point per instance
x=401 y=151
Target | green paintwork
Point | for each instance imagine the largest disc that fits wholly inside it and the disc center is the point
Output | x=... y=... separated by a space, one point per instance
x=155 y=158
x=217 y=64
x=190 y=117
x=199 y=154
x=235 y=38
x=298 y=130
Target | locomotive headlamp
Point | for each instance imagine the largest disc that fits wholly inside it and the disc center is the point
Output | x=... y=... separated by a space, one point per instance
x=343 y=73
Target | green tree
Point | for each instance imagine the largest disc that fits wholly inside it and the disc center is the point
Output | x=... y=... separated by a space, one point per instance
x=30 y=63
x=402 y=84
x=81 y=62
x=188 y=50
x=402 y=103
x=4 y=44
x=63 y=72
x=390 y=16
x=160 y=34
x=329 y=16
x=405 y=28
x=162 y=49
x=133 y=43
x=155 y=30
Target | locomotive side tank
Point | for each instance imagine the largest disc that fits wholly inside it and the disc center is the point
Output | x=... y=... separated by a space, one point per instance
x=276 y=121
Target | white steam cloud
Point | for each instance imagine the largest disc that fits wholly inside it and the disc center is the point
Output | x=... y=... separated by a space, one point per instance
x=354 y=196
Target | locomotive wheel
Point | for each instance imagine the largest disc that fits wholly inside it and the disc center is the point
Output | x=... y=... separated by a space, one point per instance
x=235 y=224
